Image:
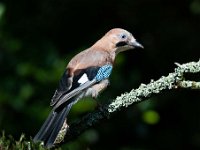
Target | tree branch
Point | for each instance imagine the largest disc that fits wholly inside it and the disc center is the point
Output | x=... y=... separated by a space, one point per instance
x=172 y=81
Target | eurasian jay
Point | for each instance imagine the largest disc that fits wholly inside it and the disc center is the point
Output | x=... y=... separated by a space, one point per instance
x=85 y=75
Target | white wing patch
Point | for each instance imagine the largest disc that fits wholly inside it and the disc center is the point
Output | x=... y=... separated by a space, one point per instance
x=83 y=79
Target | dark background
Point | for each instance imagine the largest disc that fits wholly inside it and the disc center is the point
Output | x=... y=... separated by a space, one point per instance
x=39 y=37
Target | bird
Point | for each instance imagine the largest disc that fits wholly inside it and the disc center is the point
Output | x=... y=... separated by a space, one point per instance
x=86 y=75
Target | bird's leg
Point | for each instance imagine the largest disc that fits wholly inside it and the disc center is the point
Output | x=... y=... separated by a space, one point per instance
x=97 y=88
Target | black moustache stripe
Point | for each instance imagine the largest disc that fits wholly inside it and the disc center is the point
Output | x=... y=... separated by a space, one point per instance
x=119 y=44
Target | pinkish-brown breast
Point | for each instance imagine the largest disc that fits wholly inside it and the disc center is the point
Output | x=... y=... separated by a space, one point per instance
x=89 y=58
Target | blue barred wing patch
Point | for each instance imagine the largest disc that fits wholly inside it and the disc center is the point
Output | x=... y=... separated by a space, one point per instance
x=103 y=73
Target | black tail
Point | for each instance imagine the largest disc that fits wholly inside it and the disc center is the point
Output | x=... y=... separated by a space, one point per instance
x=52 y=126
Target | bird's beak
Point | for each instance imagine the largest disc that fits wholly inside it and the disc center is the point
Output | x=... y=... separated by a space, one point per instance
x=135 y=44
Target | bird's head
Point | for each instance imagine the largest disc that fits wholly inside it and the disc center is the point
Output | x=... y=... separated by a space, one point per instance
x=118 y=40
x=121 y=40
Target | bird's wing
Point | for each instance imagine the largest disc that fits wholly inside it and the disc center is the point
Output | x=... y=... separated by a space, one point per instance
x=91 y=76
x=83 y=67
x=73 y=93
x=70 y=86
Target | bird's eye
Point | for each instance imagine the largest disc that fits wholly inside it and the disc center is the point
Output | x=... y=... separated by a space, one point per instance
x=123 y=36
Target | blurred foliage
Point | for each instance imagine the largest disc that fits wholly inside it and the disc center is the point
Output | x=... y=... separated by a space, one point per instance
x=151 y=117
x=38 y=38
x=9 y=143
